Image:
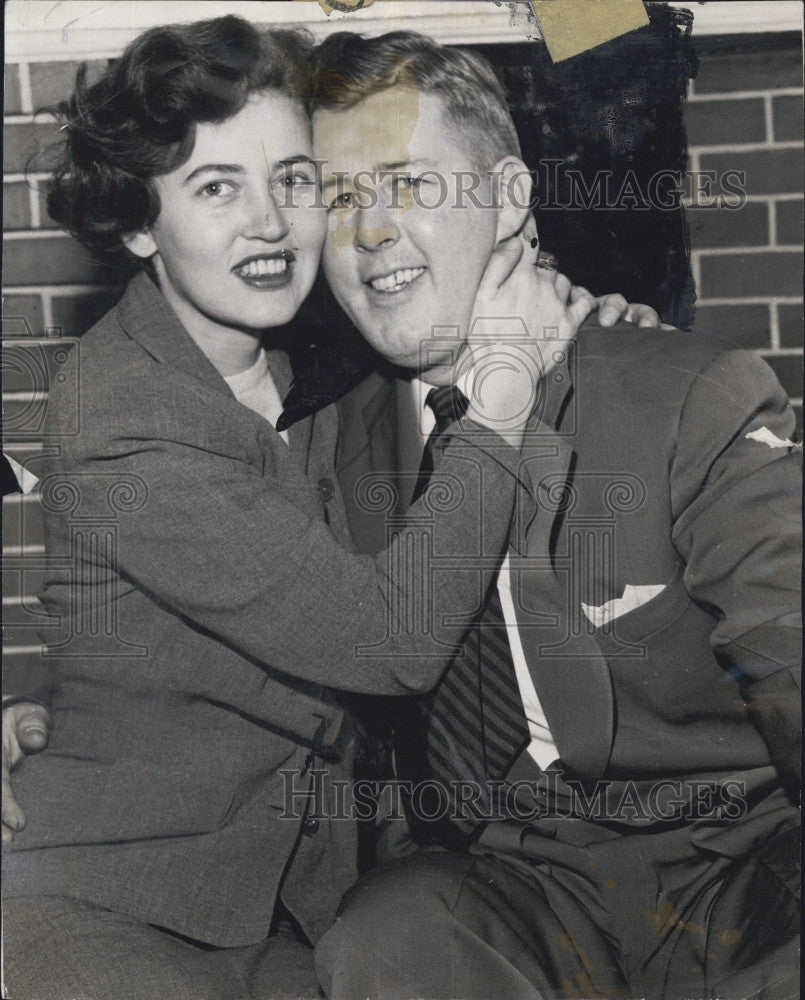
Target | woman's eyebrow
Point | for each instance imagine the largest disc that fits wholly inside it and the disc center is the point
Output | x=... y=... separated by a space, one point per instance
x=222 y=168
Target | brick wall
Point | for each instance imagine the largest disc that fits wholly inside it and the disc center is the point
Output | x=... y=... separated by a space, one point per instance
x=52 y=292
x=744 y=113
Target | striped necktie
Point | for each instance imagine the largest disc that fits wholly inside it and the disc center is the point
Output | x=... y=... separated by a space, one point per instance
x=448 y=404
x=474 y=720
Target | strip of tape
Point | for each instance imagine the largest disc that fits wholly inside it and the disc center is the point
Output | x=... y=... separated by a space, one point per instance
x=343 y=6
x=573 y=26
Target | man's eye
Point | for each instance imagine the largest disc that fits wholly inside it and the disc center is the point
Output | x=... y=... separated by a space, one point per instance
x=408 y=181
x=344 y=200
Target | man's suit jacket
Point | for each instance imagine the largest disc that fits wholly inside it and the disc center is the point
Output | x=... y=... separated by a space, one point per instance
x=203 y=574
x=663 y=461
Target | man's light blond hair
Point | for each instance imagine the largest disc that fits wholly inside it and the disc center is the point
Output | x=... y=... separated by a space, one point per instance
x=348 y=68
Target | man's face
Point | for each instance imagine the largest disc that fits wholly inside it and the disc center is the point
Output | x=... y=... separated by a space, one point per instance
x=406 y=245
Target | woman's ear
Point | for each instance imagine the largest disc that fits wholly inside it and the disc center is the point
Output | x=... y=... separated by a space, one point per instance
x=515 y=185
x=141 y=243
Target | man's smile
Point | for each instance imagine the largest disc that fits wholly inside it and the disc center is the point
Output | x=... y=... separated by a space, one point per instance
x=395 y=281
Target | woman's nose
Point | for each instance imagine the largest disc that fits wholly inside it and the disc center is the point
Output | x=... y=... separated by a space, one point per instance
x=268 y=221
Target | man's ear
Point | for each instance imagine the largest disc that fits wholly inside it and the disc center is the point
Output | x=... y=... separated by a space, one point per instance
x=141 y=243
x=514 y=187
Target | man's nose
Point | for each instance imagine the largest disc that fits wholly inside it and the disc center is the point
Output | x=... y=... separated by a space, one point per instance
x=267 y=219
x=376 y=227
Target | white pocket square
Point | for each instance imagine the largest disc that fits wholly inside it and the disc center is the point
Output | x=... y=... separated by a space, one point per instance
x=27 y=480
x=633 y=597
x=765 y=436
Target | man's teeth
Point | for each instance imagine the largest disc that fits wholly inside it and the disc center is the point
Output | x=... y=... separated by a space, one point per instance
x=256 y=268
x=394 y=282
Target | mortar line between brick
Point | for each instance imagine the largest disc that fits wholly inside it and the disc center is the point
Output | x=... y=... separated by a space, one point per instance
x=726 y=251
x=788 y=196
x=781 y=352
x=774 y=327
x=26 y=99
x=47 y=309
x=24 y=396
x=15 y=178
x=20 y=498
x=28 y=118
x=33 y=204
x=750 y=147
x=35 y=447
x=772 y=225
x=738 y=95
x=74 y=289
x=38 y=341
x=768 y=118
x=37 y=234
x=749 y=300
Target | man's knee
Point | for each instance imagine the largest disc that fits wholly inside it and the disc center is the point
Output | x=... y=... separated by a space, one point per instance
x=394 y=913
x=400 y=894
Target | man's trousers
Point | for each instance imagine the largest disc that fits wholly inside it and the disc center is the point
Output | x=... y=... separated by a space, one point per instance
x=578 y=911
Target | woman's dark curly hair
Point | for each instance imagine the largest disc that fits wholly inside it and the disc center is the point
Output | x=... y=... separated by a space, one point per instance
x=138 y=121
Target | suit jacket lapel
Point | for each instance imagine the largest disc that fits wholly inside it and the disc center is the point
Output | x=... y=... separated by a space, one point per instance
x=569 y=671
x=409 y=445
x=380 y=434
x=379 y=418
x=376 y=439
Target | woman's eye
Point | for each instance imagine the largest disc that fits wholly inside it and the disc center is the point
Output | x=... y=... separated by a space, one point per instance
x=296 y=180
x=217 y=189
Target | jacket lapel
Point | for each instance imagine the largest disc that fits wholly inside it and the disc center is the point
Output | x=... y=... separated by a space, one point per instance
x=379 y=434
x=147 y=318
x=377 y=439
x=567 y=666
x=300 y=433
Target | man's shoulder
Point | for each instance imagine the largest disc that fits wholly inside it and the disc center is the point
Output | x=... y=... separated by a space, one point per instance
x=668 y=384
x=625 y=343
x=662 y=363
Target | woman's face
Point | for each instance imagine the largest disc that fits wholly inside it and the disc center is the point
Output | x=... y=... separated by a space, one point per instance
x=240 y=229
